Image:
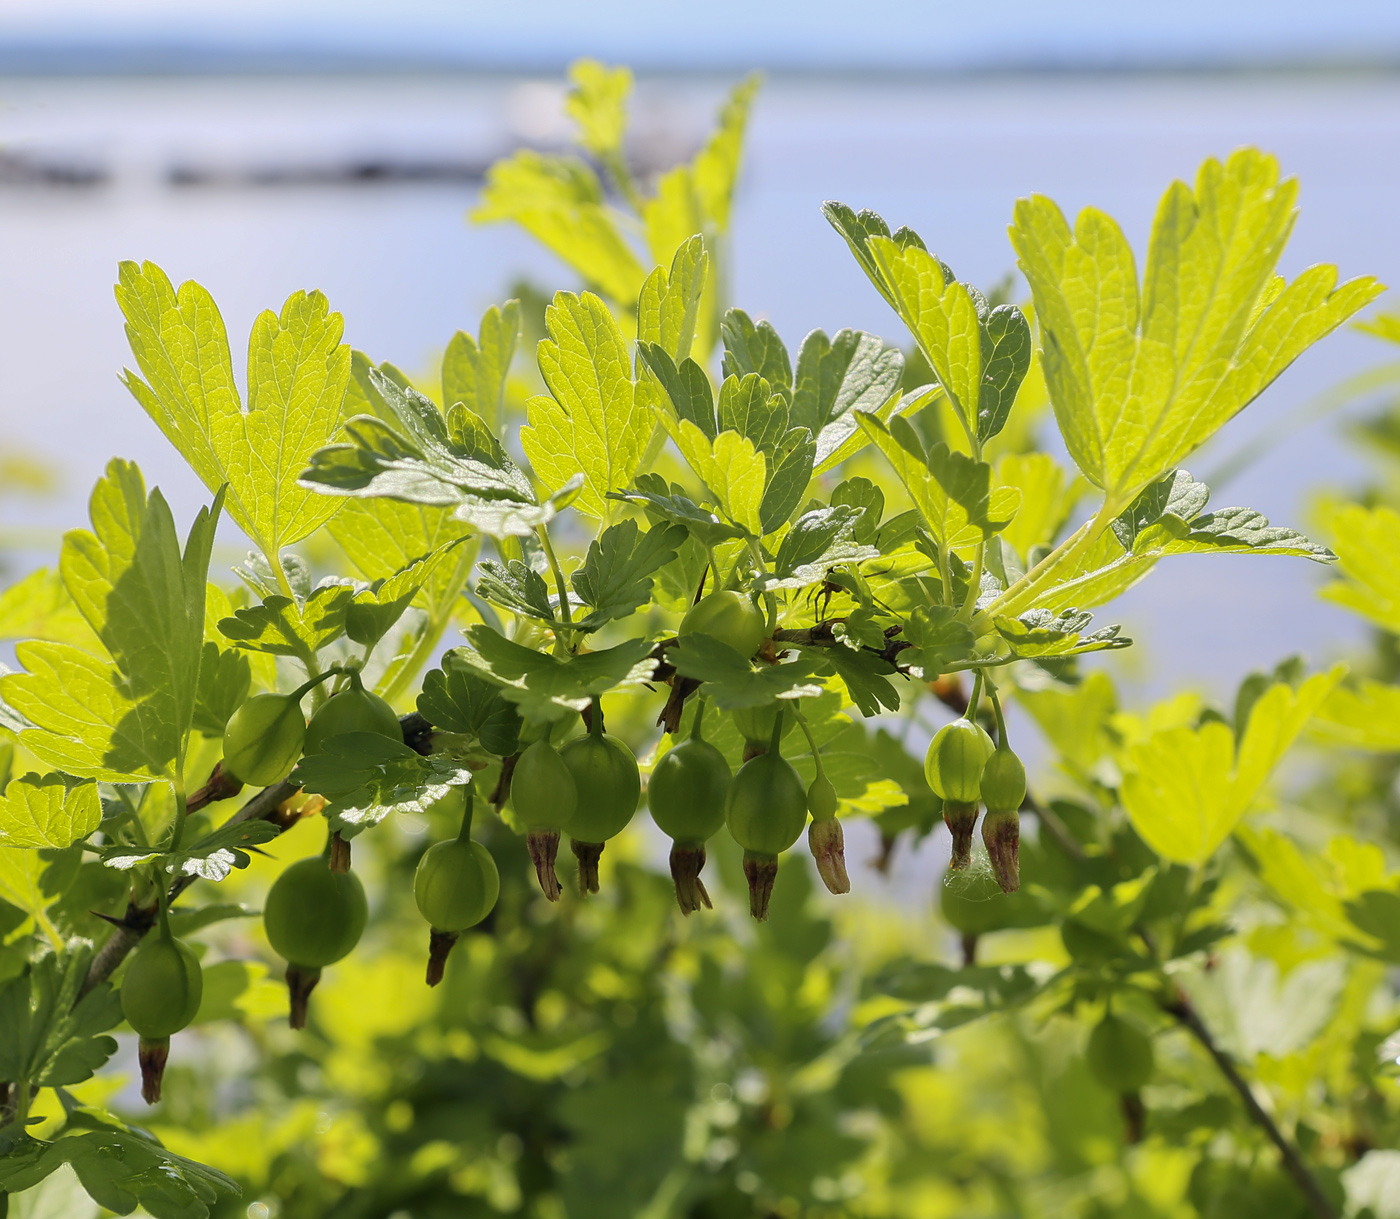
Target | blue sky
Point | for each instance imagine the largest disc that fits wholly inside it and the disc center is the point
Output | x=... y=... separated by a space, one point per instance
x=778 y=33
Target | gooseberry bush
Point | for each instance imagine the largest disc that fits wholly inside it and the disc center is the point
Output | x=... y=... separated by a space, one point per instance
x=662 y=559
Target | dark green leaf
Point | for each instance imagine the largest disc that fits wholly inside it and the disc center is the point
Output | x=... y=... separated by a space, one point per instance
x=1176 y=495
x=732 y=683
x=519 y=588
x=367 y=776
x=818 y=541
x=750 y=348
x=547 y=687
x=284 y=627
x=616 y=575
x=853 y=371
x=687 y=387
x=120 y=1170
x=869 y=501
x=1040 y=632
x=418 y=456
x=668 y=502
x=1006 y=358
x=866 y=676
x=457 y=700
x=51 y=1036
x=789 y=472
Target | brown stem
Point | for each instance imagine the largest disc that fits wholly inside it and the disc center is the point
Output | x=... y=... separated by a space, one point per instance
x=265 y=806
x=1307 y=1184
x=823 y=635
x=501 y=793
x=881 y=862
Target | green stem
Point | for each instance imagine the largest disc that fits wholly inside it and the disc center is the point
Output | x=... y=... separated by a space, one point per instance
x=811 y=742
x=50 y=931
x=971 y=713
x=699 y=716
x=974 y=585
x=776 y=740
x=996 y=710
x=945 y=574
x=714 y=568
x=21 y=1094
x=163 y=912
x=301 y=691
x=465 y=833
x=769 y=597
x=595 y=721
x=137 y=825
x=181 y=809
x=559 y=584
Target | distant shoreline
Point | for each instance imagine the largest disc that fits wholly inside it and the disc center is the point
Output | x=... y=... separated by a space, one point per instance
x=64 y=58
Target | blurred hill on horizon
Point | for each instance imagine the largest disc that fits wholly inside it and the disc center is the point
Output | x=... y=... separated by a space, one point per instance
x=76 y=37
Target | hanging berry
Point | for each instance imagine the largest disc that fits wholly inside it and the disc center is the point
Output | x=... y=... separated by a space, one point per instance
x=609 y=786
x=765 y=810
x=455 y=886
x=545 y=798
x=160 y=995
x=686 y=794
x=313 y=918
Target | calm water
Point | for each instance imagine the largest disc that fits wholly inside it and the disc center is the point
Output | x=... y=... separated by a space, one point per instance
x=406 y=270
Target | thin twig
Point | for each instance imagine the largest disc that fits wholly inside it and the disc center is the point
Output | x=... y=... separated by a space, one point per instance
x=1051 y=823
x=138 y=920
x=1303 y=1178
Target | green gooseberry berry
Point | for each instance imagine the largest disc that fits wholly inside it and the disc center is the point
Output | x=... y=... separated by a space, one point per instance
x=609 y=787
x=162 y=987
x=1003 y=782
x=766 y=809
x=160 y=995
x=608 y=783
x=730 y=617
x=456 y=884
x=264 y=738
x=313 y=916
x=954 y=762
x=542 y=788
x=755 y=724
x=687 y=790
x=354 y=709
x=545 y=798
